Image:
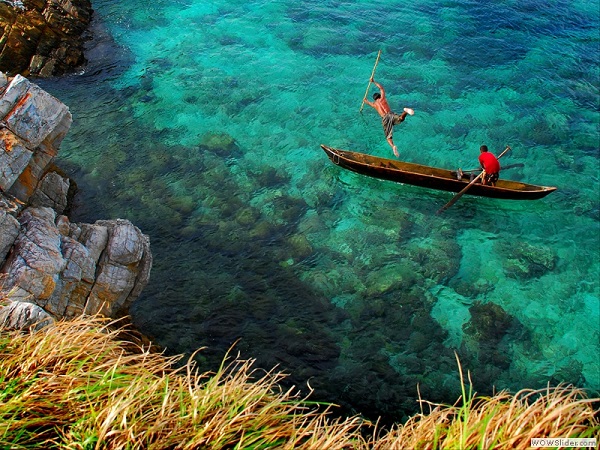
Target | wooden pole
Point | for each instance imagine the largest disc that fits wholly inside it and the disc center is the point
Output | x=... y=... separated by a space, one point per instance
x=467 y=187
x=369 y=85
x=460 y=194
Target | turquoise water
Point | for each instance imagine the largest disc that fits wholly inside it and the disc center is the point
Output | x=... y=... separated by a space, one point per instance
x=201 y=123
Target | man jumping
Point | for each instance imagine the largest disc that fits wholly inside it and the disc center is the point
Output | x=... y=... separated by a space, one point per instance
x=388 y=118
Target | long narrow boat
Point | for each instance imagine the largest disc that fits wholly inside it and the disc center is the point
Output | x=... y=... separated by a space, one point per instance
x=431 y=177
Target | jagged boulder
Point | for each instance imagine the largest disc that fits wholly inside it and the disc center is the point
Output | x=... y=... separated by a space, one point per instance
x=35 y=260
x=69 y=269
x=33 y=124
x=63 y=268
x=42 y=37
x=52 y=191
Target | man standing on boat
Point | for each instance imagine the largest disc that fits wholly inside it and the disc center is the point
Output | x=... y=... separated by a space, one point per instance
x=388 y=118
x=491 y=166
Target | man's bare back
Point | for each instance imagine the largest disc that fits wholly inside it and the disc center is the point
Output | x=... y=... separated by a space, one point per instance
x=381 y=104
x=389 y=119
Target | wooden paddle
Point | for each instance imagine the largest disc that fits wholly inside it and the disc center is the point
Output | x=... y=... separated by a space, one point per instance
x=467 y=187
x=369 y=85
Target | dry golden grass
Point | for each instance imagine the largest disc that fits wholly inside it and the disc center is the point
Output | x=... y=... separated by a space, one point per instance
x=504 y=421
x=74 y=386
x=80 y=385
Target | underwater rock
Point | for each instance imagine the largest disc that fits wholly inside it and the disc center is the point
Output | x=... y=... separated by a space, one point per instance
x=311 y=223
x=262 y=230
x=300 y=341
x=584 y=207
x=418 y=341
x=435 y=259
x=326 y=283
x=471 y=289
x=219 y=143
x=318 y=193
x=489 y=322
x=383 y=280
x=287 y=209
x=524 y=260
x=42 y=37
x=300 y=246
x=484 y=341
x=570 y=373
x=563 y=159
x=112 y=159
x=247 y=216
x=184 y=205
x=451 y=312
x=271 y=177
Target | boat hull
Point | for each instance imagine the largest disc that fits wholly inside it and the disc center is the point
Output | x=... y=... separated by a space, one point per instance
x=431 y=177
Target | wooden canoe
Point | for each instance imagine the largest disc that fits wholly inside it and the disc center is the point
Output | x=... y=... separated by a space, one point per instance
x=431 y=177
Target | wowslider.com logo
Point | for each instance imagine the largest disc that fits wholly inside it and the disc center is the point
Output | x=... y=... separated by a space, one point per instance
x=563 y=442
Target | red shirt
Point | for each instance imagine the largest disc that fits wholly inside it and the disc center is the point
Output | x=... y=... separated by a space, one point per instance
x=489 y=162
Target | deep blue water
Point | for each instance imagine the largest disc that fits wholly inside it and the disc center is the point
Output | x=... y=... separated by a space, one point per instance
x=201 y=123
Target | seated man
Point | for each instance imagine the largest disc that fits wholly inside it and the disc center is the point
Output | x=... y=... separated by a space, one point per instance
x=491 y=166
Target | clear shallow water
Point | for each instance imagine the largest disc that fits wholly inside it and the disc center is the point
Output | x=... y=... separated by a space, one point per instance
x=201 y=123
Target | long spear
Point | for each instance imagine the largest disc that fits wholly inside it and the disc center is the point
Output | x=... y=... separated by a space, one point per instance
x=369 y=85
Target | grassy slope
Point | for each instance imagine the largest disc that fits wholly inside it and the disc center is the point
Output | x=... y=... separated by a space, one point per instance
x=81 y=385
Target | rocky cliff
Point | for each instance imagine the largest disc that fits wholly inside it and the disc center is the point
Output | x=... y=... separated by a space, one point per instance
x=42 y=37
x=54 y=268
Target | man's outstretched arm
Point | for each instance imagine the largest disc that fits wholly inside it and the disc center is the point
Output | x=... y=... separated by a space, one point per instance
x=381 y=90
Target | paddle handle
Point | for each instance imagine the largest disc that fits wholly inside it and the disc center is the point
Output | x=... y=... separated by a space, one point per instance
x=505 y=150
x=369 y=85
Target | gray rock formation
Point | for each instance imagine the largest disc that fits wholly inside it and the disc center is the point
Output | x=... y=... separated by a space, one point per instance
x=70 y=269
x=42 y=37
x=9 y=230
x=65 y=269
x=52 y=191
x=32 y=125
